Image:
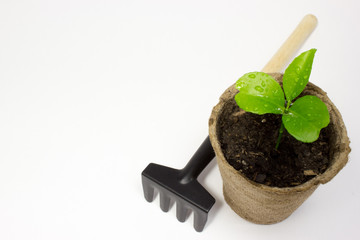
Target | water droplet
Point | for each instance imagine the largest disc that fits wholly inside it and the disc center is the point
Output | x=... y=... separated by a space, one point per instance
x=309 y=114
x=263 y=84
x=305 y=76
x=266 y=105
x=241 y=85
x=259 y=89
x=297 y=69
x=296 y=79
x=256 y=109
x=252 y=75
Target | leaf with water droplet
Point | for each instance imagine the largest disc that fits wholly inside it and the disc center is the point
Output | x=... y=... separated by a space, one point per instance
x=260 y=93
x=259 y=89
x=306 y=117
x=299 y=68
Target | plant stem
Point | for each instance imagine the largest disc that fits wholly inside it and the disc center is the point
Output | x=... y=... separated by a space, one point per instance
x=281 y=131
x=288 y=105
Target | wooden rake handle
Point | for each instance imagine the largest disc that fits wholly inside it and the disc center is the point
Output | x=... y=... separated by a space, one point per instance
x=289 y=48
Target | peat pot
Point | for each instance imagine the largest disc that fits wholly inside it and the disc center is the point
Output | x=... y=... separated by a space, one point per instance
x=263 y=204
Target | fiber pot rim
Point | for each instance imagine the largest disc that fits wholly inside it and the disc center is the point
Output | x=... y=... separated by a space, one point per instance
x=340 y=151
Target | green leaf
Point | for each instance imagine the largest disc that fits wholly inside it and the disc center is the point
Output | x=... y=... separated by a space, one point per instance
x=297 y=74
x=305 y=118
x=259 y=93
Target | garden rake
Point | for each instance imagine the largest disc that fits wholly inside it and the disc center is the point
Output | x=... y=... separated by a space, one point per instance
x=182 y=186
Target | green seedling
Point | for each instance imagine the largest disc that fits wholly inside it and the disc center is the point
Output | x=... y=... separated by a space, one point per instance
x=260 y=93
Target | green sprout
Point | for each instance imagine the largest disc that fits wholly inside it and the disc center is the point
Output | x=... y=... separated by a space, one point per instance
x=260 y=93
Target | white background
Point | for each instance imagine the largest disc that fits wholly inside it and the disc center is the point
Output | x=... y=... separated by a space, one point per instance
x=93 y=91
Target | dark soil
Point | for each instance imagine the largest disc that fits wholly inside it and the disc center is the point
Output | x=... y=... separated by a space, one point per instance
x=248 y=143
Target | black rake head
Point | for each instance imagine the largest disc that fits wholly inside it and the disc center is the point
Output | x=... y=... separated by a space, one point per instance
x=181 y=186
x=189 y=195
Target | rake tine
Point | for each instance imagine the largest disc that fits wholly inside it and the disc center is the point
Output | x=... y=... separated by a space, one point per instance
x=200 y=219
x=148 y=190
x=164 y=202
x=181 y=212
